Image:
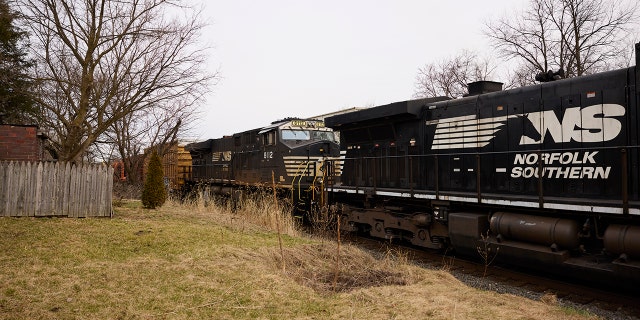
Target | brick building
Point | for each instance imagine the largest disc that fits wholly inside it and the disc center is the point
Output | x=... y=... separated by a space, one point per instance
x=22 y=143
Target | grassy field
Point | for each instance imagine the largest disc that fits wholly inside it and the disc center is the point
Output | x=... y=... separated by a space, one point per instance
x=192 y=262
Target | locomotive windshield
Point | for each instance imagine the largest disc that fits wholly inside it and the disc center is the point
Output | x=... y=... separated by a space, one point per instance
x=307 y=135
x=323 y=135
x=296 y=135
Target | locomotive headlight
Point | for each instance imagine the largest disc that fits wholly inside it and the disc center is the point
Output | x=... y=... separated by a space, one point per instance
x=321 y=149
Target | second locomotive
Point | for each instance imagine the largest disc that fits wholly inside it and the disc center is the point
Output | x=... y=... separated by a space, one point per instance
x=289 y=153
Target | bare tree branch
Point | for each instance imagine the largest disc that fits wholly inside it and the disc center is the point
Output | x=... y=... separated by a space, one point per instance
x=577 y=36
x=450 y=77
x=102 y=61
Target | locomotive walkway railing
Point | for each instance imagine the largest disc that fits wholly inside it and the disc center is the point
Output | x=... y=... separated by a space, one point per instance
x=593 y=174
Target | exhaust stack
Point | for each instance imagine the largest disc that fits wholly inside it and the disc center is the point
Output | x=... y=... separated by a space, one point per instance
x=480 y=87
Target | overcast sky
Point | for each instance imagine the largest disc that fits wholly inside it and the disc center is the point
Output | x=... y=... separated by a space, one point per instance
x=301 y=58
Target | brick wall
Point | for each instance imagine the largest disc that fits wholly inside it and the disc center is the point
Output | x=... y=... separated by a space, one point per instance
x=20 y=143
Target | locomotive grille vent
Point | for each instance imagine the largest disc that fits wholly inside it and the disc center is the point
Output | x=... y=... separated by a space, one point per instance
x=303 y=165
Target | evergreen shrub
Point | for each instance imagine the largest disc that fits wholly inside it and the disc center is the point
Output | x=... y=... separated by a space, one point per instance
x=154 y=193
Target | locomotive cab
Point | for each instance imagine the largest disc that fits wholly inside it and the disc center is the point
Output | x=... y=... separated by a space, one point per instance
x=298 y=144
x=295 y=150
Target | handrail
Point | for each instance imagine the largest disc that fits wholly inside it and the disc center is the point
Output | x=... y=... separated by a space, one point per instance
x=300 y=179
x=622 y=194
x=492 y=152
x=296 y=175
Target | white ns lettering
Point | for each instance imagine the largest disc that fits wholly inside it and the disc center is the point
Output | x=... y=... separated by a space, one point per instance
x=591 y=124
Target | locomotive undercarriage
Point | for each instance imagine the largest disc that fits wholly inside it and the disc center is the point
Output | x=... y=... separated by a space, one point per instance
x=582 y=246
x=418 y=228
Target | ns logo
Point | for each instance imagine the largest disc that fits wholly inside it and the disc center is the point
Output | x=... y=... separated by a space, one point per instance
x=596 y=123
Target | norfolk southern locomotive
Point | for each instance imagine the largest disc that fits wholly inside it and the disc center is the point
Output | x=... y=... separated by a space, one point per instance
x=288 y=153
x=548 y=173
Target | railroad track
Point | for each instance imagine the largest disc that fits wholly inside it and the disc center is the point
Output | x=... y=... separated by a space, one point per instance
x=608 y=302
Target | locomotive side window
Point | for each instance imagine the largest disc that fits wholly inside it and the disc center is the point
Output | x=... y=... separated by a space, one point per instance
x=269 y=138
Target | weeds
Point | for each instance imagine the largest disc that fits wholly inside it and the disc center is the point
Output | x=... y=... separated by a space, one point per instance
x=486 y=253
x=323 y=221
x=275 y=203
x=549 y=298
x=447 y=261
x=337 y=268
x=245 y=209
x=314 y=266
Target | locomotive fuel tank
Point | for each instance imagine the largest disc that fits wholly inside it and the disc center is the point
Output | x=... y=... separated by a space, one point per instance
x=623 y=239
x=536 y=229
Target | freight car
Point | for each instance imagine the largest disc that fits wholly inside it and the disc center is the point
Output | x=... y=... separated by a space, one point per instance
x=546 y=175
x=289 y=153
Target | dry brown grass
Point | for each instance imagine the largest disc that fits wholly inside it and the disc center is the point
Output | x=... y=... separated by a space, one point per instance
x=208 y=263
x=313 y=265
x=258 y=210
x=549 y=298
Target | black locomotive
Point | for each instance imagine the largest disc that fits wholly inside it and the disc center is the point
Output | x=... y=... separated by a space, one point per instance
x=289 y=153
x=546 y=173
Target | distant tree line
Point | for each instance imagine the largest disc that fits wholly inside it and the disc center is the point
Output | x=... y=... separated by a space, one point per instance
x=575 y=37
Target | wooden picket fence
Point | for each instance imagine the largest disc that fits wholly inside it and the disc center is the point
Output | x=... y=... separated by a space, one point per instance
x=45 y=189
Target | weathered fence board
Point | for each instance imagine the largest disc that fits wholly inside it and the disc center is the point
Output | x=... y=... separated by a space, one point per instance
x=29 y=189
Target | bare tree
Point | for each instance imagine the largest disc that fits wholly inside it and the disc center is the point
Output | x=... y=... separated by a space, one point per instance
x=161 y=129
x=521 y=75
x=576 y=36
x=105 y=61
x=450 y=77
